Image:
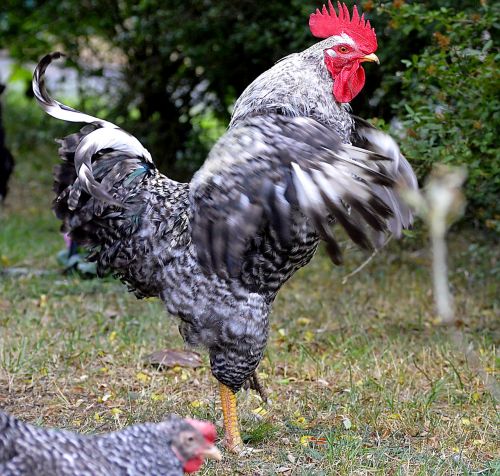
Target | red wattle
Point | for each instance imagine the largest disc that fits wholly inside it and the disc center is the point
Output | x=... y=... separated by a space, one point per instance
x=193 y=465
x=349 y=82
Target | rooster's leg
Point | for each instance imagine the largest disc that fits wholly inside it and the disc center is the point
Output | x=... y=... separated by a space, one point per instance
x=232 y=438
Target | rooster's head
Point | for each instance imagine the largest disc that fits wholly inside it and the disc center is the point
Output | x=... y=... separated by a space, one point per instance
x=352 y=40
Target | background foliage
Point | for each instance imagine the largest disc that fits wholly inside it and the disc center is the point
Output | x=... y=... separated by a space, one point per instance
x=183 y=63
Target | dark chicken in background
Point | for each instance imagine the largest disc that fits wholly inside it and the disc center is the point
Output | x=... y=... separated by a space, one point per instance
x=169 y=448
x=293 y=163
x=6 y=159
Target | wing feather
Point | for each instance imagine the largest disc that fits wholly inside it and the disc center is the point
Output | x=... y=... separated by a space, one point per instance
x=269 y=171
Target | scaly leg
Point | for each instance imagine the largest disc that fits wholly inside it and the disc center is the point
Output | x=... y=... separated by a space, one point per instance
x=232 y=437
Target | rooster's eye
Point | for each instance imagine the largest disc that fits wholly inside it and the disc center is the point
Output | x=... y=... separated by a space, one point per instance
x=343 y=49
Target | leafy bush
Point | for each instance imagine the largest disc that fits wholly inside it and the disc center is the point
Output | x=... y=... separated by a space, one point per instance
x=449 y=104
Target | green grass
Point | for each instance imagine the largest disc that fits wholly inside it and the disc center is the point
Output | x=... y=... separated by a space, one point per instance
x=361 y=380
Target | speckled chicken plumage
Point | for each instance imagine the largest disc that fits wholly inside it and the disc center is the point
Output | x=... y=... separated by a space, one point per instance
x=297 y=85
x=140 y=450
x=217 y=250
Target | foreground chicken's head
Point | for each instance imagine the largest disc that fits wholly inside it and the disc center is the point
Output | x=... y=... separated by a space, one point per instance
x=351 y=41
x=193 y=442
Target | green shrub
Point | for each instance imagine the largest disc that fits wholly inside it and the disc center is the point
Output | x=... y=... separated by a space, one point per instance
x=449 y=104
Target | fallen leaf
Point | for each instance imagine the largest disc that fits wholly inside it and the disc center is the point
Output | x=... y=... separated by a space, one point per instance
x=175 y=358
x=106 y=397
x=283 y=469
x=260 y=411
x=305 y=439
x=197 y=403
x=299 y=420
x=347 y=423
x=157 y=398
x=394 y=416
x=43 y=301
x=319 y=441
x=308 y=336
x=142 y=377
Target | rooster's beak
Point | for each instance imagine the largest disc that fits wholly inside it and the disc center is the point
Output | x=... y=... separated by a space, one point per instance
x=212 y=452
x=372 y=57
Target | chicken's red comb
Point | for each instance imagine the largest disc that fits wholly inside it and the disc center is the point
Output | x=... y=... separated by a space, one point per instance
x=326 y=23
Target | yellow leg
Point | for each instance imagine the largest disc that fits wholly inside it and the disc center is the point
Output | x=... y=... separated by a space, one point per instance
x=232 y=437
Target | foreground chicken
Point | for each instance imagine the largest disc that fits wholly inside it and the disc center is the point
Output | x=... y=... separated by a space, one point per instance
x=218 y=249
x=169 y=448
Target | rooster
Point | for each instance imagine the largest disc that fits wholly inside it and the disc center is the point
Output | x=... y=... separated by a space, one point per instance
x=169 y=448
x=292 y=164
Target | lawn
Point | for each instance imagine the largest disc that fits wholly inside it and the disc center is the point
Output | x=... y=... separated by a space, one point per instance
x=361 y=378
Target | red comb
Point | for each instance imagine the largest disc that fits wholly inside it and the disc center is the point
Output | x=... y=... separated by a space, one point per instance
x=327 y=22
x=206 y=428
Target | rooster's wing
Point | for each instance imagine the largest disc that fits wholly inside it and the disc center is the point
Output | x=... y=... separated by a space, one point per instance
x=277 y=167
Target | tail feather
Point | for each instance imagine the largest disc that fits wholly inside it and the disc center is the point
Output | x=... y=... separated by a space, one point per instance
x=95 y=223
x=51 y=106
x=107 y=189
x=81 y=149
x=80 y=205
